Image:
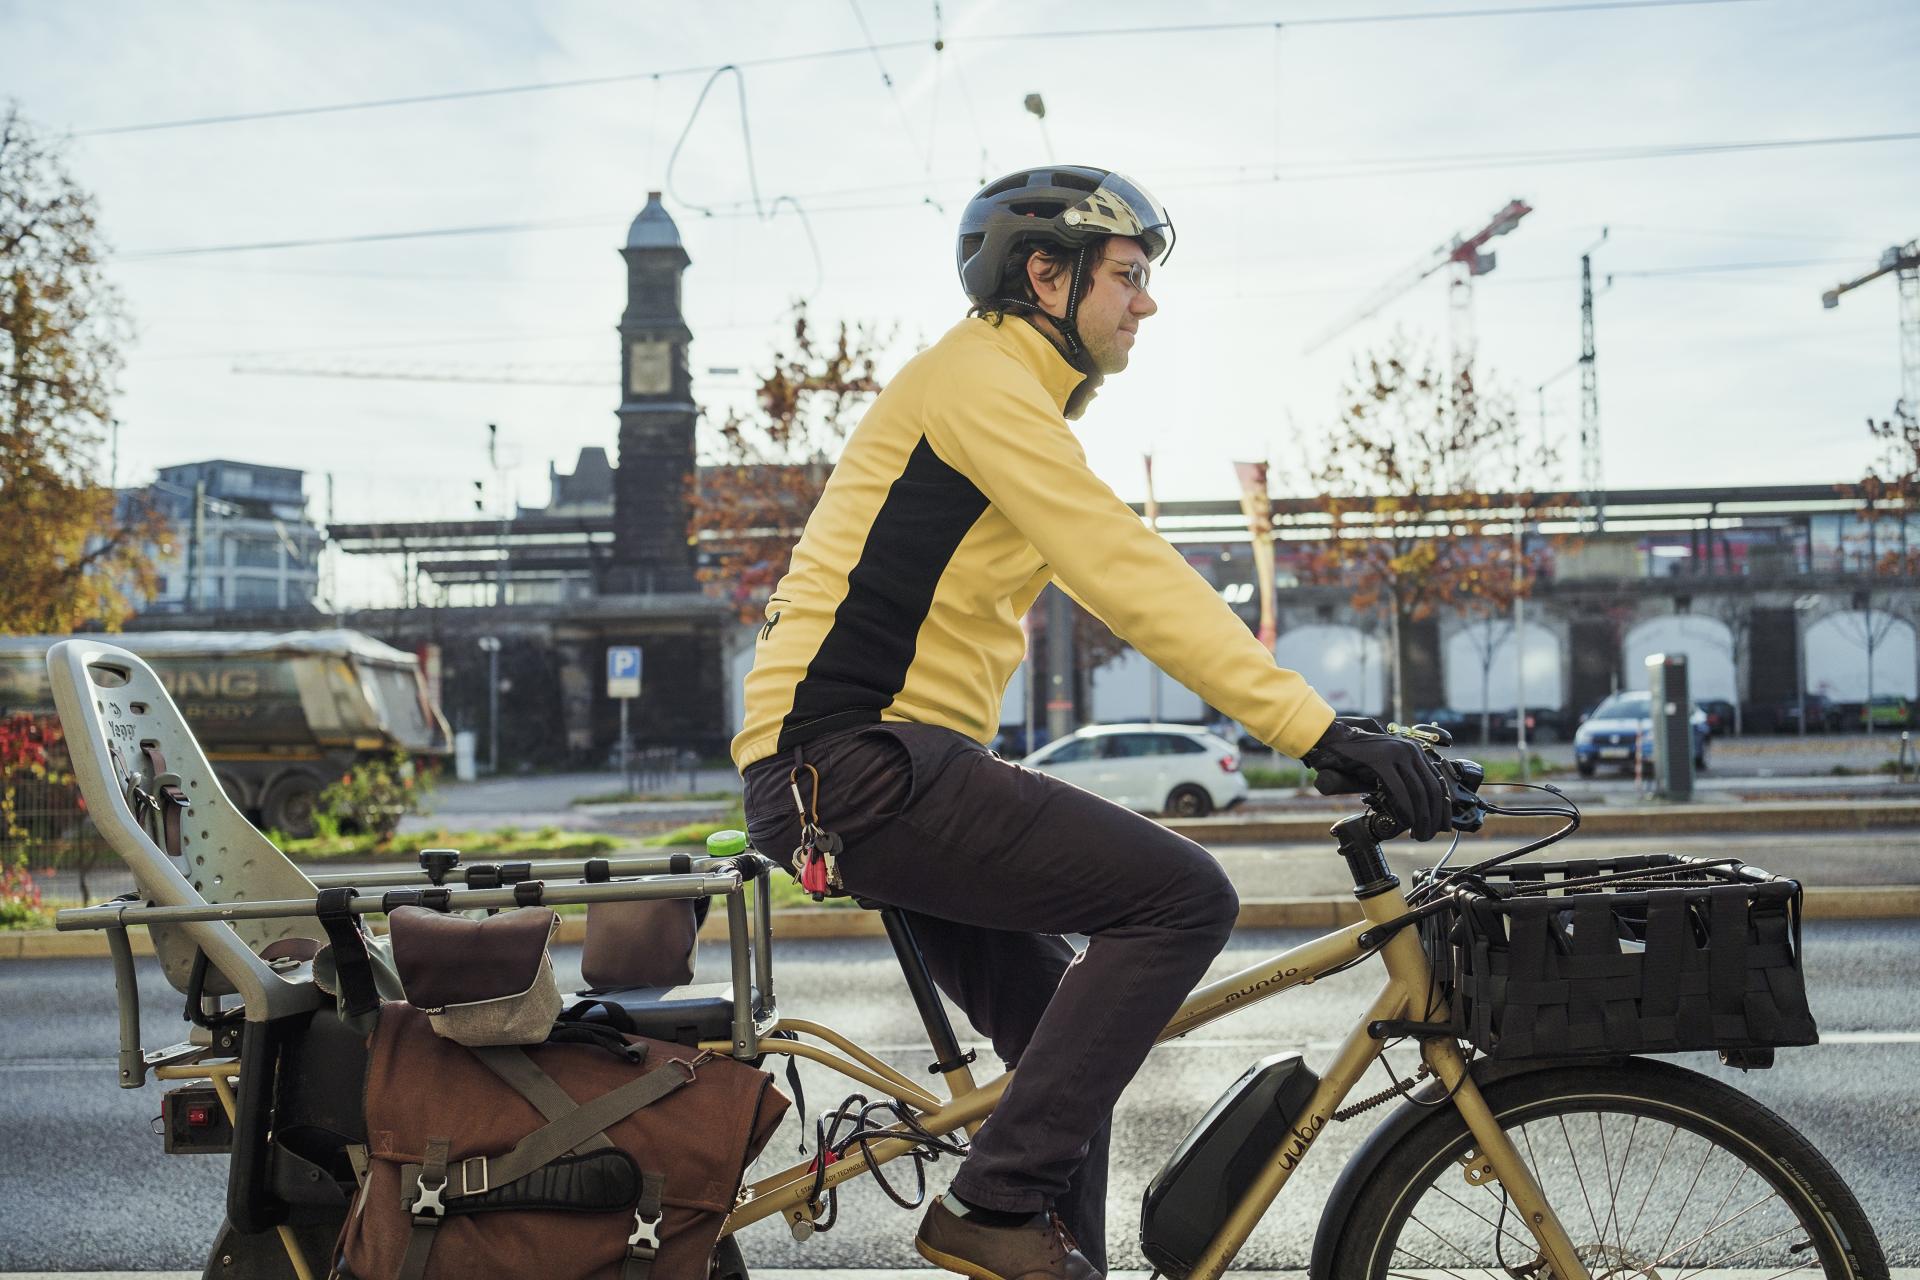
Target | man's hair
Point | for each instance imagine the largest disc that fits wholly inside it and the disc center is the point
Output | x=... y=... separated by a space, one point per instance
x=1055 y=262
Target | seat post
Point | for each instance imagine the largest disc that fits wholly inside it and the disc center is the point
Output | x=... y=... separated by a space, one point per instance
x=926 y=998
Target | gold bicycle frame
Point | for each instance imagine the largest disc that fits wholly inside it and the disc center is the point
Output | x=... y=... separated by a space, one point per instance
x=1405 y=995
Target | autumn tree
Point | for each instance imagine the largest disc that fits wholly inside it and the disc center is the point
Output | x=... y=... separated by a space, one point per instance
x=1891 y=489
x=765 y=468
x=72 y=556
x=1420 y=480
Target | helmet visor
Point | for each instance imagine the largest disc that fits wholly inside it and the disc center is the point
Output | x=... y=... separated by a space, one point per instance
x=1122 y=207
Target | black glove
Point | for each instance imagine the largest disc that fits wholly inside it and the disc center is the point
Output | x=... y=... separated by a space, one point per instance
x=1351 y=759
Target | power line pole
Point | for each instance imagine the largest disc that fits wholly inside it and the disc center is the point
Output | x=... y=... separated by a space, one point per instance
x=1592 y=483
x=196 y=550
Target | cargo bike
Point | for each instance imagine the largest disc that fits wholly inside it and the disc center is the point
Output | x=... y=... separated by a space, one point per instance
x=1533 y=1139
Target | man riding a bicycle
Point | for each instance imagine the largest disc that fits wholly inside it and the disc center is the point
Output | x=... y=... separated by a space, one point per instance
x=879 y=675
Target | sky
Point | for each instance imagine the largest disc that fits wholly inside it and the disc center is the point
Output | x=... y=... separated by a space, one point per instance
x=1306 y=163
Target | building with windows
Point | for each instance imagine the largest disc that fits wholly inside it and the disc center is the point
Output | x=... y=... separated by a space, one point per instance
x=241 y=540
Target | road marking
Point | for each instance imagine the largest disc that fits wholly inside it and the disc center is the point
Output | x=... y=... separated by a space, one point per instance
x=1272 y=1046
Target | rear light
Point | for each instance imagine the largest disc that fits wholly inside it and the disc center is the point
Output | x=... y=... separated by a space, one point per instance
x=1229 y=764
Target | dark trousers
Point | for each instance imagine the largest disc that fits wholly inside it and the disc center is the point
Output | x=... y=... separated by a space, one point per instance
x=993 y=862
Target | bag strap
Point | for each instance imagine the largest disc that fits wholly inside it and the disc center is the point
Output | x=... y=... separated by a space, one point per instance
x=537 y=1087
x=644 y=1244
x=573 y=1128
x=352 y=967
x=427 y=1209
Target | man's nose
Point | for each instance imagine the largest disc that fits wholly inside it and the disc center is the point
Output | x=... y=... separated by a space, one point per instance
x=1143 y=304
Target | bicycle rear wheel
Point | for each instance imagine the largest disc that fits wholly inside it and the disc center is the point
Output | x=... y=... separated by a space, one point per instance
x=1656 y=1172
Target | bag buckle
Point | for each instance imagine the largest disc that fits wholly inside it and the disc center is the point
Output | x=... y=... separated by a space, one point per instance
x=468 y=1184
x=646 y=1234
x=429 y=1201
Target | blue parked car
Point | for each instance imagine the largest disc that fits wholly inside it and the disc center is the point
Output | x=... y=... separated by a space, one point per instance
x=1607 y=736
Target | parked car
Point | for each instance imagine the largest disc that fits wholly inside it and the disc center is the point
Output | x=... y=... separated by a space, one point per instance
x=1610 y=734
x=1719 y=713
x=1544 y=724
x=1462 y=726
x=1012 y=741
x=1889 y=711
x=1823 y=716
x=1177 y=769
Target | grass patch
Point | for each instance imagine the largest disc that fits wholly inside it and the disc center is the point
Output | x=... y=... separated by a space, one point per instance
x=546 y=841
x=1267 y=779
x=636 y=797
x=1509 y=770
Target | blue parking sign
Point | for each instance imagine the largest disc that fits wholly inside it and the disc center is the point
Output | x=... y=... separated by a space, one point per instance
x=623 y=671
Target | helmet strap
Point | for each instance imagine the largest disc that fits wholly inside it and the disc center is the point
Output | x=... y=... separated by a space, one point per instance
x=1069 y=325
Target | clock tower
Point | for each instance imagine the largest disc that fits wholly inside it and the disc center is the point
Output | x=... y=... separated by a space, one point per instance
x=650 y=549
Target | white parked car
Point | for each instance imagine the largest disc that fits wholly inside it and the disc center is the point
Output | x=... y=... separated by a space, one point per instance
x=1176 y=769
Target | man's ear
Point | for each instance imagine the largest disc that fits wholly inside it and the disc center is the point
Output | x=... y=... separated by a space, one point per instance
x=1051 y=295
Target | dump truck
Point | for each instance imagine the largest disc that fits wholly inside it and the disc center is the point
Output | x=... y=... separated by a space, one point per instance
x=280 y=714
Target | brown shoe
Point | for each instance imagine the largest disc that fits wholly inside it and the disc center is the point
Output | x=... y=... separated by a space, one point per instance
x=1039 y=1249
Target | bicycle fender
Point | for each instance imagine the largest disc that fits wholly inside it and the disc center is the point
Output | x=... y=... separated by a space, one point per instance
x=1408 y=1116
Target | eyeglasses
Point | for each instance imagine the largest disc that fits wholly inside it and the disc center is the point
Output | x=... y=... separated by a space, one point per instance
x=1137 y=274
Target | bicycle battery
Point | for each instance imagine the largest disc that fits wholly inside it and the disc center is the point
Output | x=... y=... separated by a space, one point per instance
x=1189 y=1199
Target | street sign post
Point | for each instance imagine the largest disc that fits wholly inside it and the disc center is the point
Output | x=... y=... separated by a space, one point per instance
x=623 y=683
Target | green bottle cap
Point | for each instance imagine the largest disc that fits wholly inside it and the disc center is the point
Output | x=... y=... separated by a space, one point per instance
x=724 y=844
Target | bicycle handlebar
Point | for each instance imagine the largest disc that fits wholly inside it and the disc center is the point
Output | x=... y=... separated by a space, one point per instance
x=1461 y=779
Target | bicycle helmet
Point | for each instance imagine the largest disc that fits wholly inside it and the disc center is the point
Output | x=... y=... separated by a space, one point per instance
x=1066 y=207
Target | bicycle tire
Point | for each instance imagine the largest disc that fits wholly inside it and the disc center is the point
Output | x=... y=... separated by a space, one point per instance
x=1386 y=1236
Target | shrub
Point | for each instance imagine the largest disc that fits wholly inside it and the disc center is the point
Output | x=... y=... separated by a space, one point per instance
x=374 y=795
x=19 y=899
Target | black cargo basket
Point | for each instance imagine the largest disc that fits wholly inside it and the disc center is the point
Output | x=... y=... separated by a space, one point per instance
x=1650 y=954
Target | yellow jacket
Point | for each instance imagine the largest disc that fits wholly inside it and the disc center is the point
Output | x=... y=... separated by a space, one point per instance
x=960 y=495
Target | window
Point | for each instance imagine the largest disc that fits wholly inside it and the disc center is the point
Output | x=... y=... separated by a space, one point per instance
x=1123 y=746
x=1077 y=749
x=1178 y=744
x=1624 y=706
x=256 y=593
x=256 y=553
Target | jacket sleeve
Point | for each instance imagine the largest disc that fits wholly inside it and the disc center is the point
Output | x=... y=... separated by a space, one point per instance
x=1002 y=432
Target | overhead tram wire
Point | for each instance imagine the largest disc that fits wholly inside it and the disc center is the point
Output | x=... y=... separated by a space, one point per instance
x=755 y=208
x=899 y=107
x=585 y=82
x=459 y=95
x=1353 y=19
x=762 y=213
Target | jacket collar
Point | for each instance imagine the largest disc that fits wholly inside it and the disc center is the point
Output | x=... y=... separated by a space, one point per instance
x=1069 y=389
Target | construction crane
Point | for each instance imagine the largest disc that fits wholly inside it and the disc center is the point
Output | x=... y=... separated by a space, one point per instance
x=1467 y=256
x=1904 y=261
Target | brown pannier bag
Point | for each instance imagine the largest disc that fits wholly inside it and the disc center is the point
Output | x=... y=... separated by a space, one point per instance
x=617 y=1160
x=481 y=982
x=648 y=943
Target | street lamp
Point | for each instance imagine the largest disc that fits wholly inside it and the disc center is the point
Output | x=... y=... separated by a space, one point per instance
x=490 y=647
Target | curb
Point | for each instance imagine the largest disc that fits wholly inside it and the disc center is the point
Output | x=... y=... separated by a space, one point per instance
x=1684 y=818
x=1879 y=902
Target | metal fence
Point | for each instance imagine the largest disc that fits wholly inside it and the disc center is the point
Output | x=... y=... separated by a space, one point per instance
x=662 y=769
x=44 y=827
